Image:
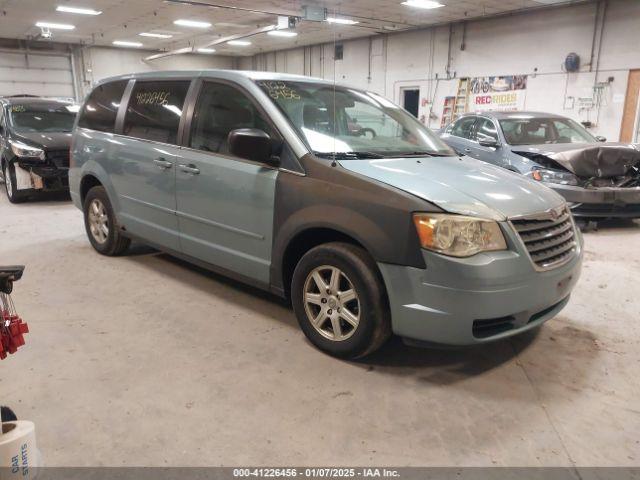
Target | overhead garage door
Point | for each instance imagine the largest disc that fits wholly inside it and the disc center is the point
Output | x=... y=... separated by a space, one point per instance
x=36 y=74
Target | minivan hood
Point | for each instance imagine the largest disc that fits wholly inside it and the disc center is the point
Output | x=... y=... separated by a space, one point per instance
x=461 y=185
x=46 y=140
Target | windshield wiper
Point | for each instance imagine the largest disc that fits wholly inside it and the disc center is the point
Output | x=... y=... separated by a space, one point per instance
x=348 y=155
x=420 y=154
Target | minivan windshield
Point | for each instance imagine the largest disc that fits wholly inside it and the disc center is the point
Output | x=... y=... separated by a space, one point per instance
x=351 y=123
x=538 y=131
x=43 y=117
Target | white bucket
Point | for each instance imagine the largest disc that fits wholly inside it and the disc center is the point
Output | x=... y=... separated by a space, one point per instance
x=18 y=451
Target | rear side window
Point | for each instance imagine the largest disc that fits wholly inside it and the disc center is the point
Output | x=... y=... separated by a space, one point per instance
x=101 y=109
x=463 y=127
x=221 y=109
x=155 y=110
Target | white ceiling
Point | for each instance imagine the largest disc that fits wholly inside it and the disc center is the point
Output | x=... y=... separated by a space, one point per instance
x=125 y=19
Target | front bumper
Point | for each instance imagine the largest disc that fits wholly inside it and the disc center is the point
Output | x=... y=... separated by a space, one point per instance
x=478 y=299
x=603 y=202
x=42 y=177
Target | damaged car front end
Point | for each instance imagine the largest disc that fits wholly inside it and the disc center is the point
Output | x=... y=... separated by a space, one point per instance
x=35 y=140
x=598 y=181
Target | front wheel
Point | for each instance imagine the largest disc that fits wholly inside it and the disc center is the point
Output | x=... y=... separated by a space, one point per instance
x=101 y=225
x=340 y=301
x=11 y=185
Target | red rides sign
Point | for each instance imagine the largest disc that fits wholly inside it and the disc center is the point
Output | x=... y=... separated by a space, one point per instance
x=498 y=93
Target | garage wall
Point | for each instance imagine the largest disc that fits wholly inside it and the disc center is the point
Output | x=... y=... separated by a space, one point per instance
x=43 y=74
x=534 y=43
x=97 y=63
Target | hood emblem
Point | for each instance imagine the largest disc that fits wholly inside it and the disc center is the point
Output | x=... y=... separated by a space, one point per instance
x=556 y=213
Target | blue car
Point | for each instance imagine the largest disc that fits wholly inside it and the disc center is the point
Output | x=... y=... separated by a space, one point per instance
x=599 y=179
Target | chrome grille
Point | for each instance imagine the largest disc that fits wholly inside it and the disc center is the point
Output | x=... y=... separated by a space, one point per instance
x=550 y=237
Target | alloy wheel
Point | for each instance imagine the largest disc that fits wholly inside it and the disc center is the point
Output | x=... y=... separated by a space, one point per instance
x=98 y=221
x=331 y=303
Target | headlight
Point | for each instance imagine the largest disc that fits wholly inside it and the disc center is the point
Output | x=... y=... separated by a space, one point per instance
x=23 y=150
x=553 y=176
x=458 y=236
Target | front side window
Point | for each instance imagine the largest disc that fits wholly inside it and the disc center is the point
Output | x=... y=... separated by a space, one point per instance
x=101 y=109
x=155 y=110
x=220 y=110
x=338 y=120
x=486 y=130
x=463 y=128
x=42 y=117
x=538 y=131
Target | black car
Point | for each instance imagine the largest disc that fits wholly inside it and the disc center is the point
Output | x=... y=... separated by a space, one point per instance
x=35 y=140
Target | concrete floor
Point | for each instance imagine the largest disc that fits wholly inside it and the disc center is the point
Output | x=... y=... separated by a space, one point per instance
x=144 y=360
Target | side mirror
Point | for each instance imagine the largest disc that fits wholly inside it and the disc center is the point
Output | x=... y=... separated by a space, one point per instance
x=601 y=139
x=252 y=144
x=488 y=142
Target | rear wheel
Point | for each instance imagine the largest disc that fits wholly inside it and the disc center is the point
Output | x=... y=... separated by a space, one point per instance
x=101 y=224
x=10 y=183
x=340 y=301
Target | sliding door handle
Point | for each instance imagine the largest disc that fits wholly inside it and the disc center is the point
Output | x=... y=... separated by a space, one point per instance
x=190 y=169
x=163 y=164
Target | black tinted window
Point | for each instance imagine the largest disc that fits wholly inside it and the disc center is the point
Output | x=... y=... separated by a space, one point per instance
x=486 y=130
x=463 y=127
x=155 y=109
x=221 y=109
x=101 y=109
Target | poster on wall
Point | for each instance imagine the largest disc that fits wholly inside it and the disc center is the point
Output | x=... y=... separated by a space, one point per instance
x=505 y=93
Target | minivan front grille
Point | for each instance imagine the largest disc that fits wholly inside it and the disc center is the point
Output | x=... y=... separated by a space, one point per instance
x=59 y=158
x=550 y=237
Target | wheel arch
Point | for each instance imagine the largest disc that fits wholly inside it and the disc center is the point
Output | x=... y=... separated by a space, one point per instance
x=305 y=240
x=88 y=182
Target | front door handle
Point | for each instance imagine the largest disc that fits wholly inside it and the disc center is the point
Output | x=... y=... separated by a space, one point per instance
x=163 y=164
x=191 y=169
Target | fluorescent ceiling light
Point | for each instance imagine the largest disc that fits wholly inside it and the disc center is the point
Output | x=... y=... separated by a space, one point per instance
x=207 y=50
x=341 y=21
x=121 y=43
x=78 y=10
x=282 y=33
x=427 y=4
x=239 y=43
x=192 y=23
x=155 y=35
x=55 y=26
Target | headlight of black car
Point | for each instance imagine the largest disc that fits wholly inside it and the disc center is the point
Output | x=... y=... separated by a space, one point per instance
x=553 y=176
x=22 y=150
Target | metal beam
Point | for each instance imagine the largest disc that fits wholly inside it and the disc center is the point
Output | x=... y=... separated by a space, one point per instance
x=213 y=43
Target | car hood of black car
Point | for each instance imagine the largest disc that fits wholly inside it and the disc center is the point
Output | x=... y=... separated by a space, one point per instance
x=46 y=140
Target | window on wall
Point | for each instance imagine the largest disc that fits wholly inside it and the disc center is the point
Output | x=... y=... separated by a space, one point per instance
x=155 y=109
x=101 y=109
x=220 y=110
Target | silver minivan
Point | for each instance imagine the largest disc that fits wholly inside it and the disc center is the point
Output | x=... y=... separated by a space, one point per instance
x=330 y=196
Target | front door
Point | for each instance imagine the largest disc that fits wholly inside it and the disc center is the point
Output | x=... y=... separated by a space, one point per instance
x=147 y=159
x=485 y=129
x=225 y=205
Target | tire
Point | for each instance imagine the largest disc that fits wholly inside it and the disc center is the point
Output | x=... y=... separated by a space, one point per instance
x=332 y=332
x=10 y=184
x=101 y=224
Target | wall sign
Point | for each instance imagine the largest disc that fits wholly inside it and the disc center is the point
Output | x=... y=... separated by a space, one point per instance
x=505 y=93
